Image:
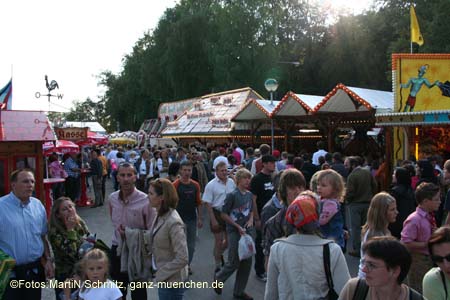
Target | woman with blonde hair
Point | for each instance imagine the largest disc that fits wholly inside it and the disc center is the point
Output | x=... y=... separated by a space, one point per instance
x=382 y=212
x=66 y=232
x=169 y=246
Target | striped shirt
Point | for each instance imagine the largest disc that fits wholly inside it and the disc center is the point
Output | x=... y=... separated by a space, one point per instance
x=70 y=164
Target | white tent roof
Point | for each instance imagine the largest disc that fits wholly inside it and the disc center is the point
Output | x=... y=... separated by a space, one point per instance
x=352 y=99
x=93 y=126
x=296 y=104
x=255 y=109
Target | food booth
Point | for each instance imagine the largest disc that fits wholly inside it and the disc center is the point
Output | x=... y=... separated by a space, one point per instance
x=82 y=137
x=209 y=120
x=22 y=134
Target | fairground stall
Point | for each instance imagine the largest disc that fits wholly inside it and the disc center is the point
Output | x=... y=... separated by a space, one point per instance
x=82 y=137
x=420 y=123
x=294 y=115
x=150 y=131
x=346 y=119
x=22 y=134
x=255 y=122
x=209 y=119
x=343 y=119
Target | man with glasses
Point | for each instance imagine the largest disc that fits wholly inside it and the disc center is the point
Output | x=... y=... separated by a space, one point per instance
x=128 y=207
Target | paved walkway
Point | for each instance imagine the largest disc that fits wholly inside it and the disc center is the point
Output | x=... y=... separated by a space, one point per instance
x=99 y=222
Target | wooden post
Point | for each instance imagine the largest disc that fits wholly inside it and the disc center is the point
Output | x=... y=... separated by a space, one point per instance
x=388 y=155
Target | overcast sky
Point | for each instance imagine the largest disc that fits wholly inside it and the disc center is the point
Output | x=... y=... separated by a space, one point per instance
x=71 y=42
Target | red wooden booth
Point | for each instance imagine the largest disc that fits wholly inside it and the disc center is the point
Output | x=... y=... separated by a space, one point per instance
x=22 y=134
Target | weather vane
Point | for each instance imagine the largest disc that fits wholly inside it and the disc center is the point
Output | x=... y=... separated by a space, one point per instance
x=50 y=87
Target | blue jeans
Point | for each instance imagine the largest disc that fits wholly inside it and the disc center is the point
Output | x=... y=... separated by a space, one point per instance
x=191 y=235
x=170 y=293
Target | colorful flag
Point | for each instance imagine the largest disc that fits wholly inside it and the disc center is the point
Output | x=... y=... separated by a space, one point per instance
x=416 y=36
x=6 y=96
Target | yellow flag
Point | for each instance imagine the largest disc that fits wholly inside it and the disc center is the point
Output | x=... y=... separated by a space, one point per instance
x=416 y=36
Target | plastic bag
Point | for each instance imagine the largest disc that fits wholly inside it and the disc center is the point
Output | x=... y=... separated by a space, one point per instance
x=246 y=247
x=91 y=241
x=87 y=244
x=113 y=165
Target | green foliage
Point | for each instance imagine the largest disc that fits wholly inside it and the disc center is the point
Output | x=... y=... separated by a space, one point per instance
x=86 y=111
x=208 y=46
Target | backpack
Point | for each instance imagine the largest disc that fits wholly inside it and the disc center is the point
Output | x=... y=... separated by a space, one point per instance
x=332 y=295
x=443 y=282
x=362 y=289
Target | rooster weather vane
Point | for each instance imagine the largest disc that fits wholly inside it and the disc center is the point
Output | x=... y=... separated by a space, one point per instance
x=50 y=87
x=53 y=84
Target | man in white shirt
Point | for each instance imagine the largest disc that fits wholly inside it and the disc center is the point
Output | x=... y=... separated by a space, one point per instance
x=320 y=152
x=214 y=196
x=220 y=158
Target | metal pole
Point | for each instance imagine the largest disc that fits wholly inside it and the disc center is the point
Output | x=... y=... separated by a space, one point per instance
x=271 y=123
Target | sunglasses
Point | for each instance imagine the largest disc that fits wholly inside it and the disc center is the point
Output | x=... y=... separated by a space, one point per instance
x=440 y=259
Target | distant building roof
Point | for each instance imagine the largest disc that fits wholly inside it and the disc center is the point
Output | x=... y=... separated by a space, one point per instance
x=18 y=125
x=211 y=114
x=353 y=99
x=172 y=110
x=93 y=126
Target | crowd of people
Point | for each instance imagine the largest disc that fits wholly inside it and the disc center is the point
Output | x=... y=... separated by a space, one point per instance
x=303 y=212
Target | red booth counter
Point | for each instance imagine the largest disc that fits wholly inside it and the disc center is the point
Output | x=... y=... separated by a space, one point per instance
x=84 y=198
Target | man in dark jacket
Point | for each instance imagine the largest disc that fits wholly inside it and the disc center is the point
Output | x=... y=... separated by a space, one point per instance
x=361 y=186
x=97 y=175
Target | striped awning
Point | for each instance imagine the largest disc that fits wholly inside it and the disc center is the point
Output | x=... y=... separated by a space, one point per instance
x=436 y=117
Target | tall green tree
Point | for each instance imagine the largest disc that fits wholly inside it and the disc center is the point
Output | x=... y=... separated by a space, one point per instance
x=87 y=111
x=207 y=46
